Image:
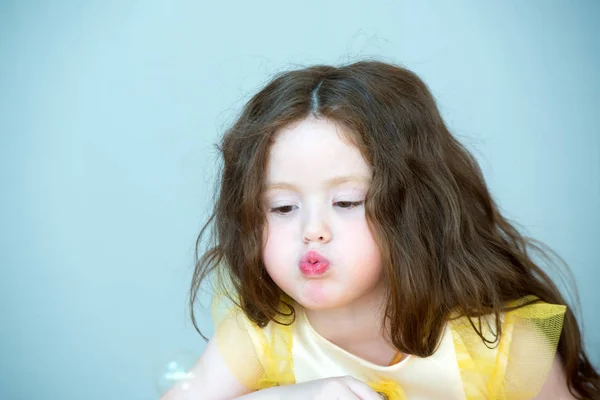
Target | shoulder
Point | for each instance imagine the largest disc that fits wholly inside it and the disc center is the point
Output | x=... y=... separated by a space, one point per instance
x=210 y=378
x=555 y=386
x=259 y=357
x=531 y=333
x=518 y=364
x=530 y=349
x=238 y=338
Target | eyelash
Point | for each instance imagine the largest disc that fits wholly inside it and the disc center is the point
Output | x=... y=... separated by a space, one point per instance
x=351 y=205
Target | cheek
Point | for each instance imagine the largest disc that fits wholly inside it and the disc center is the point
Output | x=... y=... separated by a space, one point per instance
x=277 y=240
x=363 y=248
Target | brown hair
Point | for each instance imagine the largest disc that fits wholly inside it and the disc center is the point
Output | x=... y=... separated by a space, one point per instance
x=444 y=244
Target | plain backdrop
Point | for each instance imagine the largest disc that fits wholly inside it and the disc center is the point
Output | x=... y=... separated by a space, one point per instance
x=108 y=115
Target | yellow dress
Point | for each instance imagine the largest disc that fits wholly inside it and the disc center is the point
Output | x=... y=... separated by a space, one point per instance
x=462 y=367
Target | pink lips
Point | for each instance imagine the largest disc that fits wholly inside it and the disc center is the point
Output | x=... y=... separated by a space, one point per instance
x=313 y=264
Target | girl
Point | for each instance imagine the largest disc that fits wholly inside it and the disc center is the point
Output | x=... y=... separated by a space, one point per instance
x=358 y=254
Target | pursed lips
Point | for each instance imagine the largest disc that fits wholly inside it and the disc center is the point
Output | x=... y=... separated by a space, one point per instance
x=313 y=264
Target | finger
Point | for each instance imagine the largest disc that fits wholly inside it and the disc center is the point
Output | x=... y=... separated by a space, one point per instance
x=338 y=389
x=347 y=394
x=361 y=389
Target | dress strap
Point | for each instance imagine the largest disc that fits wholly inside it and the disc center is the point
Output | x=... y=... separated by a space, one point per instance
x=399 y=356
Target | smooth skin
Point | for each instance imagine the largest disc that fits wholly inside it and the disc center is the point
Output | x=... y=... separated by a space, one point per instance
x=213 y=381
x=311 y=205
x=217 y=383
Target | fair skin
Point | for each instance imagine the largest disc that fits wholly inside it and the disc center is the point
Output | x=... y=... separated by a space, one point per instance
x=316 y=187
x=314 y=200
x=555 y=387
x=316 y=183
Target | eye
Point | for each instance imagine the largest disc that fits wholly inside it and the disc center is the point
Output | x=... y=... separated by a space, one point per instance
x=283 y=209
x=348 y=204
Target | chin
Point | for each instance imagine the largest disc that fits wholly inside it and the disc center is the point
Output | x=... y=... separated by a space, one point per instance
x=318 y=306
x=319 y=303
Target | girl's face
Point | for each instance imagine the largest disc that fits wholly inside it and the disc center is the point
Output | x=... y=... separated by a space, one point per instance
x=318 y=247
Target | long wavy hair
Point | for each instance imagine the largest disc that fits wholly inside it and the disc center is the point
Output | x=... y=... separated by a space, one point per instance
x=444 y=244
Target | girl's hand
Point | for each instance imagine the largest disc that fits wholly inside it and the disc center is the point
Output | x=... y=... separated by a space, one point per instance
x=339 y=388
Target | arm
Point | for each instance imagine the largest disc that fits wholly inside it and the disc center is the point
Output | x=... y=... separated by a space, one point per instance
x=212 y=379
x=535 y=364
x=555 y=387
x=341 y=387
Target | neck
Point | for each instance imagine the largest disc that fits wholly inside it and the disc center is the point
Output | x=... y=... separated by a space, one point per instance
x=361 y=320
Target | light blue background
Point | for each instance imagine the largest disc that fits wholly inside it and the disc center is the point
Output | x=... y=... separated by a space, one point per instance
x=108 y=113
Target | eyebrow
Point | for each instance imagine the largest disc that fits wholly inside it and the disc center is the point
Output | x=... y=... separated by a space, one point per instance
x=338 y=180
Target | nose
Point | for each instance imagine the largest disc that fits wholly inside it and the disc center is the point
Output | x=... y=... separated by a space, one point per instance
x=316 y=228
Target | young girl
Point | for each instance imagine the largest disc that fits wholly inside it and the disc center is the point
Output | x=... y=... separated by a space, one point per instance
x=358 y=254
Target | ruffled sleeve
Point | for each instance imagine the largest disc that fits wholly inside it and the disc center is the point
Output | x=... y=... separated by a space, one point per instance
x=240 y=342
x=258 y=357
x=517 y=366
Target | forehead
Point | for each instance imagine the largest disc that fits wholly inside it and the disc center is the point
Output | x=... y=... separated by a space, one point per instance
x=314 y=150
